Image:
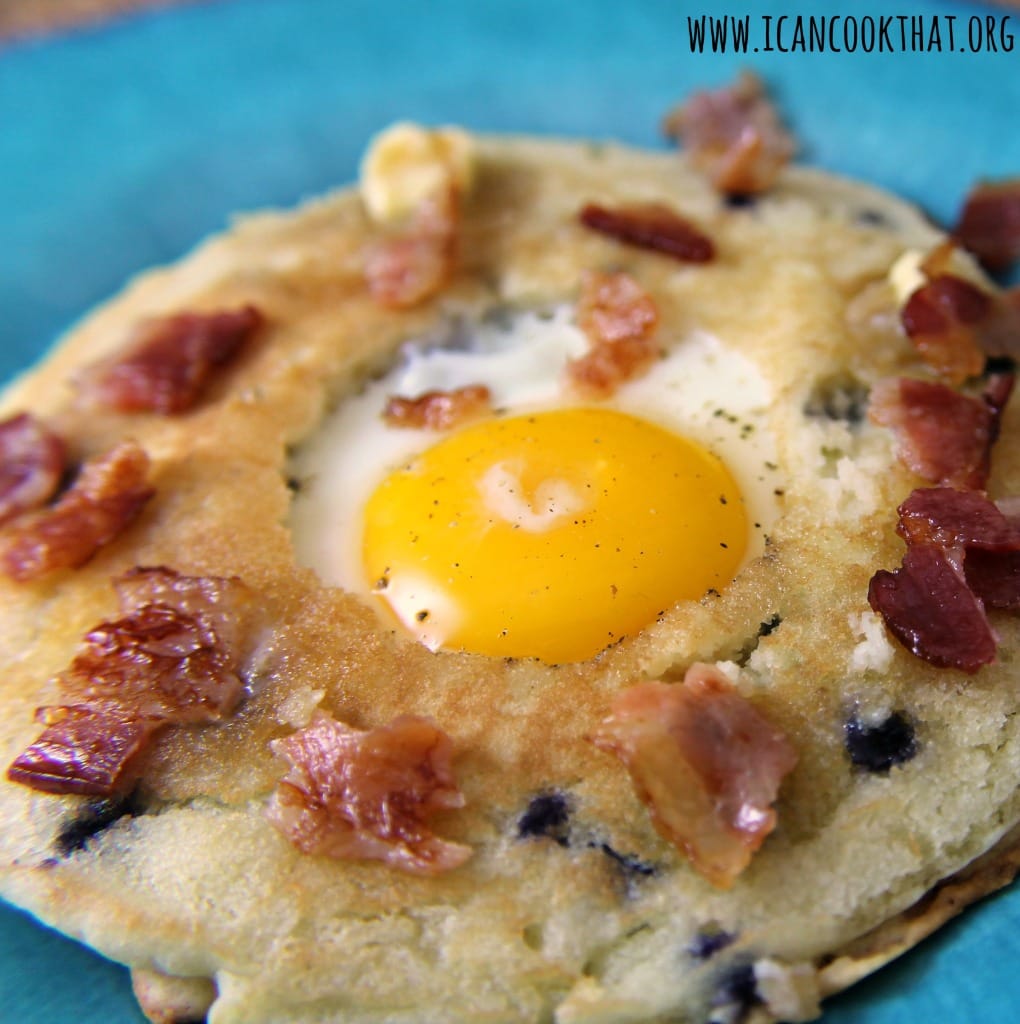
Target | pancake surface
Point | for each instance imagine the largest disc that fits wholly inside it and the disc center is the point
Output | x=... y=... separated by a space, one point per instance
x=572 y=906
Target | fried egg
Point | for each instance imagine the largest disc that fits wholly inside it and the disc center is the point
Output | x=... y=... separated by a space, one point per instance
x=556 y=526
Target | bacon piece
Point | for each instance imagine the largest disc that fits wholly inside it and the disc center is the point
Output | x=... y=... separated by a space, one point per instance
x=108 y=494
x=943 y=436
x=957 y=320
x=414 y=264
x=619 y=317
x=734 y=136
x=32 y=462
x=367 y=795
x=707 y=764
x=439 y=410
x=158 y=664
x=83 y=750
x=963 y=555
x=172 y=658
x=928 y=606
x=222 y=603
x=613 y=308
x=989 y=224
x=168 y=361
x=941 y=318
x=973 y=532
x=956 y=521
x=652 y=226
x=994 y=576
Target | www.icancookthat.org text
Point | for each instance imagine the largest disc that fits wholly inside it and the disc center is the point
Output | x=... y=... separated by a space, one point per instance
x=849 y=33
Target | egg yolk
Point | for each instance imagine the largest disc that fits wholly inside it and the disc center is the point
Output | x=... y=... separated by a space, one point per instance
x=551 y=535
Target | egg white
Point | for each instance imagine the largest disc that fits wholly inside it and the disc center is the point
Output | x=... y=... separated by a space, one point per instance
x=700 y=389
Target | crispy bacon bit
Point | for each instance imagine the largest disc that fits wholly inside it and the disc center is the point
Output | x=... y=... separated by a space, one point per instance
x=956 y=521
x=174 y=656
x=157 y=664
x=171 y=659
x=942 y=319
x=367 y=795
x=942 y=435
x=109 y=493
x=989 y=223
x=973 y=532
x=928 y=606
x=707 y=764
x=619 y=317
x=32 y=462
x=954 y=321
x=83 y=750
x=734 y=136
x=994 y=576
x=439 y=410
x=613 y=308
x=651 y=226
x=224 y=604
x=963 y=555
x=414 y=264
x=168 y=361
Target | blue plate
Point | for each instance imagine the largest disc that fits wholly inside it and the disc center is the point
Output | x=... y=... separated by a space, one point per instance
x=122 y=147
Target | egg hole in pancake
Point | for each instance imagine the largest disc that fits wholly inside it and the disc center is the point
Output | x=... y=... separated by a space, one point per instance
x=554 y=525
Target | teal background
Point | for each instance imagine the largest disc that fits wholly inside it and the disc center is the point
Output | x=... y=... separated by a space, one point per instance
x=123 y=146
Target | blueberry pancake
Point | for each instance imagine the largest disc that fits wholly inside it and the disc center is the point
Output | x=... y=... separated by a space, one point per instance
x=549 y=582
